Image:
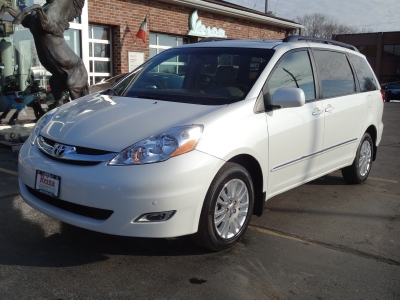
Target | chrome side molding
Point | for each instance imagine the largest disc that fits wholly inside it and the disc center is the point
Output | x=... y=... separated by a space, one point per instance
x=311 y=155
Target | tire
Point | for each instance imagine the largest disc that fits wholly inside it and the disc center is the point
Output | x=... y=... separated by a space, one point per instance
x=358 y=172
x=387 y=99
x=224 y=218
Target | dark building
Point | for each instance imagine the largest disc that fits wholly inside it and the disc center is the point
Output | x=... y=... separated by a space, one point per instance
x=382 y=50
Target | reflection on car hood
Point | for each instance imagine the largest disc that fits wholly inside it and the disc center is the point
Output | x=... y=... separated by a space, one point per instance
x=114 y=123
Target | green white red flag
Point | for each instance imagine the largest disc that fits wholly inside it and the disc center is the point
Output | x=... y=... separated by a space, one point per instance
x=143 y=30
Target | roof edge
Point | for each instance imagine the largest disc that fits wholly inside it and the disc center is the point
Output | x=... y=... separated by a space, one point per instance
x=234 y=12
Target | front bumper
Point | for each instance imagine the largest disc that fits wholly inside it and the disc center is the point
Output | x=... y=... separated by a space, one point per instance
x=179 y=183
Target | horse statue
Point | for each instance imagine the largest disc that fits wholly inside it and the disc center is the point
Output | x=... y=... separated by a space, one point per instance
x=47 y=24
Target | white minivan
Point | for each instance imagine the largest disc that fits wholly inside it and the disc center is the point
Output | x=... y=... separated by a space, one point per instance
x=195 y=140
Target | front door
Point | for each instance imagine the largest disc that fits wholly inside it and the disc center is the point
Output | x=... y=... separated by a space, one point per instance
x=295 y=134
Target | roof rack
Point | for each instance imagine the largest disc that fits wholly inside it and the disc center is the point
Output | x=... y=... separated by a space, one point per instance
x=297 y=38
x=212 y=39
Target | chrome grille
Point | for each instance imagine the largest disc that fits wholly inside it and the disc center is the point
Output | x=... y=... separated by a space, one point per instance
x=72 y=154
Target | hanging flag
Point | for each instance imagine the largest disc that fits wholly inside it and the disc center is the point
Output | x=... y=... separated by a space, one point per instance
x=143 y=30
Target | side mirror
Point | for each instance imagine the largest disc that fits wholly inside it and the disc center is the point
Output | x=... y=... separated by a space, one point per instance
x=288 y=97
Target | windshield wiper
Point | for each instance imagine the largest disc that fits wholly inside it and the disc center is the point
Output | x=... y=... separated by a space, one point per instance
x=107 y=92
x=154 y=97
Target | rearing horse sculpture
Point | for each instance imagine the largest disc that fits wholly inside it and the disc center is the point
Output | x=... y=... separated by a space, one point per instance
x=47 y=24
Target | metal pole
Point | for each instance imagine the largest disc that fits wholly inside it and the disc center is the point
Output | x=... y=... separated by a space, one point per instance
x=266 y=6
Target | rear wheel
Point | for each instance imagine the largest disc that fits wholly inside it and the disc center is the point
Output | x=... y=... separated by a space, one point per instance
x=227 y=209
x=358 y=172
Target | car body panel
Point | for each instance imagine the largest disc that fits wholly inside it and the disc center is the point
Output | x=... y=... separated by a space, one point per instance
x=295 y=137
x=179 y=183
x=344 y=115
x=86 y=121
x=236 y=131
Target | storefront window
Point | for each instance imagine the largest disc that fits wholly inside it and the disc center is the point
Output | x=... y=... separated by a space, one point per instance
x=160 y=42
x=100 y=59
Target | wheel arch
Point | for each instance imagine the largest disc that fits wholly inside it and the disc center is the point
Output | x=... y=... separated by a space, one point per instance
x=373 y=133
x=253 y=167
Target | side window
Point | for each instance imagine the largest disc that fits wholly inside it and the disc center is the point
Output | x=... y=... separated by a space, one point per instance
x=335 y=73
x=364 y=73
x=294 y=71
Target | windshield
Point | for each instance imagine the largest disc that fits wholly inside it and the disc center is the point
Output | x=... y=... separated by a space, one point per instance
x=209 y=76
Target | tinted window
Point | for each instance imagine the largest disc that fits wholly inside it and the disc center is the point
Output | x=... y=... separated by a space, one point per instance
x=197 y=75
x=393 y=86
x=294 y=71
x=335 y=73
x=365 y=76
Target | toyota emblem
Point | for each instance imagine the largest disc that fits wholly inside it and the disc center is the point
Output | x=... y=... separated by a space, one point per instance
x=58 y=150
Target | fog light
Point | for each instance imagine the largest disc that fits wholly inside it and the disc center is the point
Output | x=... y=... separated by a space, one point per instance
x=156 y=216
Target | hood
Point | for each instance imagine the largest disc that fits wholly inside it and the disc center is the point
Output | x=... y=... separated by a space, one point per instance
x=114 y=123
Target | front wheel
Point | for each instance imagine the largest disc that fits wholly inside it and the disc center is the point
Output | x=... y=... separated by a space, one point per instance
x=358 y=172
x=227 y=209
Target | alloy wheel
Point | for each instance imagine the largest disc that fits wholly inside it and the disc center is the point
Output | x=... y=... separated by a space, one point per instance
x=364 y=162
x=231 y=209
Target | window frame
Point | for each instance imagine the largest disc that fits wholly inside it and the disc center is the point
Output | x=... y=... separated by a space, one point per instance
x=157 y=47
x=92 y=59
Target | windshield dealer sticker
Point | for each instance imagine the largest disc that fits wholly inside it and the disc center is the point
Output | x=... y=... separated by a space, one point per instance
x=47 y=183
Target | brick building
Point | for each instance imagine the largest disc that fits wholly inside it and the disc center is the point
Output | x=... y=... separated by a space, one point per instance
x=169 y=23
x=382 y=50
x=104 y=36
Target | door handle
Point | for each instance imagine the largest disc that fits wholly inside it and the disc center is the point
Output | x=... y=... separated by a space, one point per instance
x=329 y=108
x=317 y=112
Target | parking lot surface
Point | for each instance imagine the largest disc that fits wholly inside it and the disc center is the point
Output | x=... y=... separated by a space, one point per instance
x=322 y=240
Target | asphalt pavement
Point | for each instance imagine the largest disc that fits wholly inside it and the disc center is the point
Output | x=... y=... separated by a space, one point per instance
x=322 y=240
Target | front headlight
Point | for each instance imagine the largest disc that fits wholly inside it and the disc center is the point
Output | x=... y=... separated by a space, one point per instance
x=160 y=147
x=40 y=124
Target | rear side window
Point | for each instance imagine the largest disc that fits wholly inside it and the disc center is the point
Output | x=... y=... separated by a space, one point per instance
x=365 y=76
x=335 y=73
x=294 y=71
